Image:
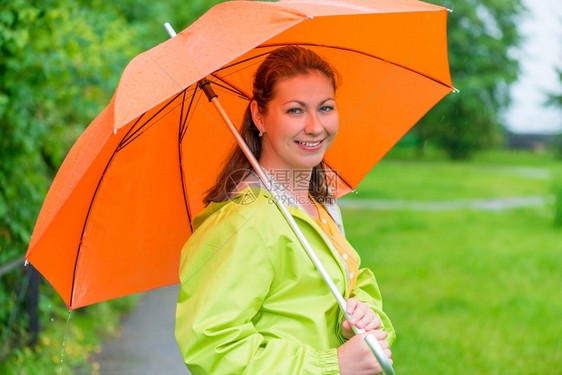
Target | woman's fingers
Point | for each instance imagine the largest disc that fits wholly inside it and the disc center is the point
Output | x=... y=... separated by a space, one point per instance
x=381 y=336
x=361 y=316
x=351 y=305
x=370 y=321
x=356 y=310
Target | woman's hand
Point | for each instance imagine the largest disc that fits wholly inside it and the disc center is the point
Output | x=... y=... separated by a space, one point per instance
x=355 y=357
x=361 y=316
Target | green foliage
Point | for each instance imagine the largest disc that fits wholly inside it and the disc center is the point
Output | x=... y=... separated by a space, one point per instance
x=556 y=98
x=480 y=34
x=60 y=63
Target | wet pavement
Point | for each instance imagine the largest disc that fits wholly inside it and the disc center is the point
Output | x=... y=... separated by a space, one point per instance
x=147 y=345
x=492 y=204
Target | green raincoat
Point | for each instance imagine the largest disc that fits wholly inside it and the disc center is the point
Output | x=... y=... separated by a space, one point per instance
x=252 y=302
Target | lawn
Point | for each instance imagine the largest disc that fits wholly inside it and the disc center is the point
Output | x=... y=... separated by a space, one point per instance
x=469 y=292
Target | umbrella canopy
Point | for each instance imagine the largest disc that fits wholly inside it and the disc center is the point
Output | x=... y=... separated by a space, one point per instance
x=119 y=210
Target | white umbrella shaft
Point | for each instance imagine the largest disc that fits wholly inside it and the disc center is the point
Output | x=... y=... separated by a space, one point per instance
x=170 y=30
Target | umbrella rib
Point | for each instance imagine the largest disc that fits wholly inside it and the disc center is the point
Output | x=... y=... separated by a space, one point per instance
x=181 y=133
x=328 y=46
x=164 y=70
x=340 y=177
x=185 y=121
x=141 y=129
x=231 y=87
x=90 y=210
x=243 y=61
x=356 y=51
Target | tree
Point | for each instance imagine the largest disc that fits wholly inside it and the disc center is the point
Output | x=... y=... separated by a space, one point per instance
x=480 y=35
x=555 y=99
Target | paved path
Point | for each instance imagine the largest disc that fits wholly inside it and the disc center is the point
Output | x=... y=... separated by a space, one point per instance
x=147 y=345
x=493 y=204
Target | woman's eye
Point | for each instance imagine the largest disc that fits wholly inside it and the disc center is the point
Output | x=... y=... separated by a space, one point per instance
x=294 y=110
x=326 y=108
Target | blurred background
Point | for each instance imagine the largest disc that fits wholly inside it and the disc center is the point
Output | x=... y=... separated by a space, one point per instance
x=461 y=222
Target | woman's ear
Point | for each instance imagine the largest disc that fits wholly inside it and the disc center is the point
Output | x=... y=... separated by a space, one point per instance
x=256 y=115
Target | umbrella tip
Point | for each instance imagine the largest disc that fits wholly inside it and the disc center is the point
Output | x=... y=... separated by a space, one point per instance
x=456 y=90
x=449 y=10
x=26 y=263
x=170 y=30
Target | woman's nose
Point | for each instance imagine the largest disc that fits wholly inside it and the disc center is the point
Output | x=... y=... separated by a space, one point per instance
x=313 y=124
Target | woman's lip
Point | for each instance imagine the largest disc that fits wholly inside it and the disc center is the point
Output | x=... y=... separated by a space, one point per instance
x=311 y=146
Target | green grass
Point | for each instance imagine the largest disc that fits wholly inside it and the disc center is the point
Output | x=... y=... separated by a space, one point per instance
x=469 y=292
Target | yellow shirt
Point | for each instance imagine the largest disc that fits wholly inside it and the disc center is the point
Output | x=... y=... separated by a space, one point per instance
x=346 y=252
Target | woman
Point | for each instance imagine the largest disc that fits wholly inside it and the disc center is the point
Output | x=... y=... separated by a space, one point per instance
x=251 y=302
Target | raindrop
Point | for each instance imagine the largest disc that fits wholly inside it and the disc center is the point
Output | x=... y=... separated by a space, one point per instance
x=64 y=341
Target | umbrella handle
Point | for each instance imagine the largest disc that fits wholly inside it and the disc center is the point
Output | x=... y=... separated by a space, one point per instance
x=371 y=341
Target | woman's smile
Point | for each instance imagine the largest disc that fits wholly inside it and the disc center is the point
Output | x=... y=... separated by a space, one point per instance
x=310 y=145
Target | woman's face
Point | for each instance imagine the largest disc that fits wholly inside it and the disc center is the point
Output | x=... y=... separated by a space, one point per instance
x=299 y=124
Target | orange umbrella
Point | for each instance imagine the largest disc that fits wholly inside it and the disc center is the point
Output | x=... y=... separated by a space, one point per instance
x=119 y=210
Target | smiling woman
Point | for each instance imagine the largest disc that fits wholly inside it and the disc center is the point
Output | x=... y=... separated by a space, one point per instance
x=250 y=300
x=298 y=126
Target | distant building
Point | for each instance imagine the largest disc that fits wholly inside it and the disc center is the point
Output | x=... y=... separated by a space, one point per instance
x=530 y=141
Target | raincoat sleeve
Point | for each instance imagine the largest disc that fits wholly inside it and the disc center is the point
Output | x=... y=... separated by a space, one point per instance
x=366 y=289
x=226 y=272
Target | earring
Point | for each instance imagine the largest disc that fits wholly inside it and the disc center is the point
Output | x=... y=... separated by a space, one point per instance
x=260 y=134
